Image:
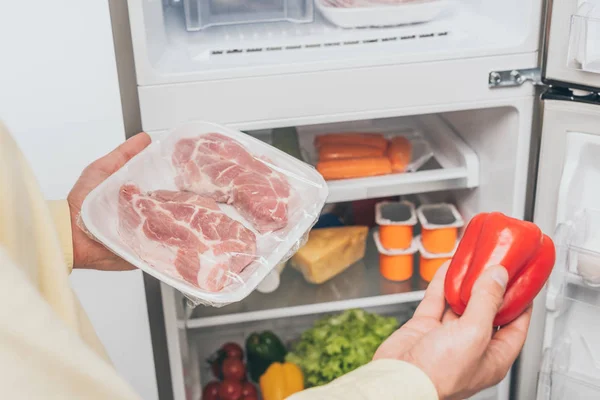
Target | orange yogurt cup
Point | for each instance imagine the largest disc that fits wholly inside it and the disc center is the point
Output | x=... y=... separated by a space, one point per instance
x=395 y=265
x=429 y=263
x=439 y=227
x=396 y=222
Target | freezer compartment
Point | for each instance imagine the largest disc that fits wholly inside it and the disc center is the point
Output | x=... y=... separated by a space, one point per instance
x=201 y=14
x=228 y=46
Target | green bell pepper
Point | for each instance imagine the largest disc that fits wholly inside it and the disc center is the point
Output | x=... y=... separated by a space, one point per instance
x=262 y=350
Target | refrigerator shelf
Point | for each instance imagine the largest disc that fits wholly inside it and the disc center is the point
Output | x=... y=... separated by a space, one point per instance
x=360 y=286
x=454 y=164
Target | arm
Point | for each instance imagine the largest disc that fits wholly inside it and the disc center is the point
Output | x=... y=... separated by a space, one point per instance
x=59 y=210
x=438 y=354
x=383 y=379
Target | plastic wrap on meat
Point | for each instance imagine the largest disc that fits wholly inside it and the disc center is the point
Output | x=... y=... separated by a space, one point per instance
x=369 y=3
x=219 y=167
x=187 y=232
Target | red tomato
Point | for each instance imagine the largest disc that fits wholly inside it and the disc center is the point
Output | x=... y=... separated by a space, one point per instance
x=230 y=390
x=248 y=389
x=233 y=350
x=234 y=369
x=250 y=397
x=211 y=391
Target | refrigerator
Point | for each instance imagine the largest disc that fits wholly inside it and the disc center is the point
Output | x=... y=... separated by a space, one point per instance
x=504 y=93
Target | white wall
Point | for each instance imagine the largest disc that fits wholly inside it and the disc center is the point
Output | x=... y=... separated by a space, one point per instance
x=59 y=96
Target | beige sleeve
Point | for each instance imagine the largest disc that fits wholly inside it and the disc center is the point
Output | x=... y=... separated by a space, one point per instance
x=48 y=348
x=61 y=215
x=382 y=379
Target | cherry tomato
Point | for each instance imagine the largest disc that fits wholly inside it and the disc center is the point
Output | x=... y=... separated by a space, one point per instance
x=211 y=391
x=233 y=350
x=249 y=397
x=248 y=390
x=230 y=390
x=234 y=369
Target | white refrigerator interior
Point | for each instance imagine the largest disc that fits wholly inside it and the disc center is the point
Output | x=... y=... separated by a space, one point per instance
x=60 y=98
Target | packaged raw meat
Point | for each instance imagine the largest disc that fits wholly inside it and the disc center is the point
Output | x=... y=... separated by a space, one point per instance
x=380 y=13
x=372 y=152
x=208 y=210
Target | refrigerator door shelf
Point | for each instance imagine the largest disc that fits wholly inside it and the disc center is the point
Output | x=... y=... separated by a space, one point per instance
x=576 y=274
x=573 y=44
x=571 y=363
x=584 y=43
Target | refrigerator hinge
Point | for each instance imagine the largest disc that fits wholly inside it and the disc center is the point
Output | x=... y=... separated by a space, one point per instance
x=515 y=77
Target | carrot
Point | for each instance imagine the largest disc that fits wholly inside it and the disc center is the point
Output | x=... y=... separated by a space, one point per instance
x=400 y=153
x=339 y=151
x=364 y=139
x=354 y=168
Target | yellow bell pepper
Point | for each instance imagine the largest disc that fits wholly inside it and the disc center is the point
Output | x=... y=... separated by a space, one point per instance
x=280 y=381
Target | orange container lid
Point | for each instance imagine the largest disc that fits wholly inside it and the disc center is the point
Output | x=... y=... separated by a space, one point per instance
x=439 y=216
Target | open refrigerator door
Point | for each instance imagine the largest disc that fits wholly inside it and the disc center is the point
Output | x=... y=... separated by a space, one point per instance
x=571 y=361
x=566 y=320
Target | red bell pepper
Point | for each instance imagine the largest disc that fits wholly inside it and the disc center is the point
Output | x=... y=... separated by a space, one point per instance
x=495 y=239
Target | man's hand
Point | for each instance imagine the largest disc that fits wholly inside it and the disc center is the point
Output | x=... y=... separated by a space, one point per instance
x=88 y=253
x=461 y=355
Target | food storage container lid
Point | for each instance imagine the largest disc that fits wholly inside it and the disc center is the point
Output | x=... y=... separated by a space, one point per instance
x=439 y=216
x=395 y=213
x=382 y=250
x=429 y=255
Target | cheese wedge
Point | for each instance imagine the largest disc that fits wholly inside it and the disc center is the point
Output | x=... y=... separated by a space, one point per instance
x=330 y=251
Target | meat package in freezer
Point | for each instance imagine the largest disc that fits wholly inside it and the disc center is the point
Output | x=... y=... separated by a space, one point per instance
x=207 y=210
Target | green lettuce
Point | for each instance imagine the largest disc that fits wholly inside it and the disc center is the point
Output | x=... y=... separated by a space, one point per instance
x=339 y=344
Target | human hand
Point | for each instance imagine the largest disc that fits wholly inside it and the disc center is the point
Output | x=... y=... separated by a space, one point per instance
x=88 y=253
x=461 y=355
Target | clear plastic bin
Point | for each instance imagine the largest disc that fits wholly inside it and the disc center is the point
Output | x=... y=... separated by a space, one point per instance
x=571 y=364
x=377 y=13
x=201 y=14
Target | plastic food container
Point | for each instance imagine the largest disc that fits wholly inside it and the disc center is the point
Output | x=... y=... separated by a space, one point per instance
x=439 y=223
x=201 y=14
x=272 y=280
x=396 y=221
x=429 y=263
x=395 y=265
x=367 y=13
x=172 y=211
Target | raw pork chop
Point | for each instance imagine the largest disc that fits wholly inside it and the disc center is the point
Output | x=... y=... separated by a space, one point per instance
x=189 y=231
x=217 y=166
